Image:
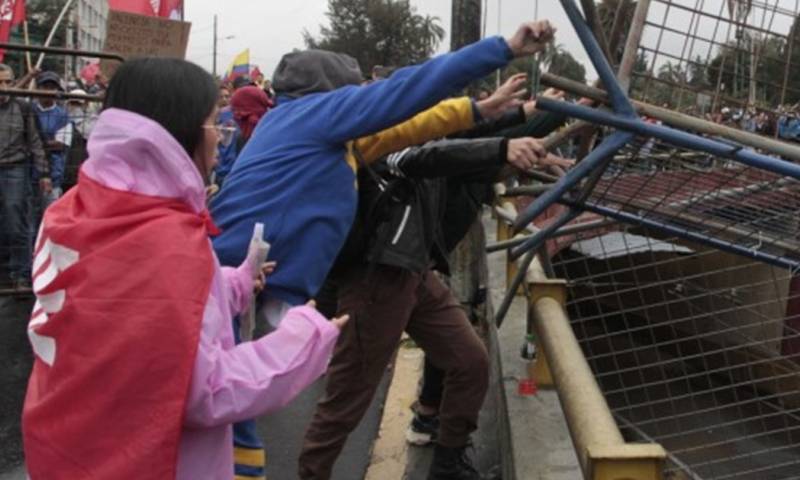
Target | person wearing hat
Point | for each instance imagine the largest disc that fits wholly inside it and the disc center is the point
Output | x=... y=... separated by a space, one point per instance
x=54 y=127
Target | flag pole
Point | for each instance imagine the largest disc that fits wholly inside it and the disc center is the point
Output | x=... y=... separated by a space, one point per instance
x=27 y=39
x=53 y=30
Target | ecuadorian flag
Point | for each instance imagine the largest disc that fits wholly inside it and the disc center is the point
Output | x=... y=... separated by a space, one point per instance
x=240 y=66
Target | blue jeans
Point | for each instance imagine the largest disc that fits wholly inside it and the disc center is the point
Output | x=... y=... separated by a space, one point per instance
x=14 y=200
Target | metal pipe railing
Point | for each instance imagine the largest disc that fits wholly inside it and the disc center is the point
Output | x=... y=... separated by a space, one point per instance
x=61 y=51
x=680 y=120
x=601 y=449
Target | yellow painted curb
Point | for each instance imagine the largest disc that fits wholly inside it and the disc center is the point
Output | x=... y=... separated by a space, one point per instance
x=390 y=452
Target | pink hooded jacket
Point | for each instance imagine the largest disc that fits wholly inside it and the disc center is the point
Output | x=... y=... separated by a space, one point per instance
x=230 y=382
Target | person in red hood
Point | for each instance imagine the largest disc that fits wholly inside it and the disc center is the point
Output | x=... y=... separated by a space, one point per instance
x=249 y=104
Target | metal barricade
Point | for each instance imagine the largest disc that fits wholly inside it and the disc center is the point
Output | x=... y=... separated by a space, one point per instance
x=44 y=134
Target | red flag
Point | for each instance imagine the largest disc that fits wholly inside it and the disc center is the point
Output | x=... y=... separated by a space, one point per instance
x=141 y=7
x=121 y=281
x=154 y=8
x=172 y=9
x=12 y=13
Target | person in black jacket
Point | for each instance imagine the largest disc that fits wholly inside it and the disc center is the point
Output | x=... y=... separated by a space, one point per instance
x=384 y=280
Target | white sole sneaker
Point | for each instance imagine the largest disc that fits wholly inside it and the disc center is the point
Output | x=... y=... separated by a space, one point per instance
x=417 y=438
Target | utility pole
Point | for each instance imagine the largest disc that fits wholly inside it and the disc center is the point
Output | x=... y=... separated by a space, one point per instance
x=214 y=69
x=465 y=23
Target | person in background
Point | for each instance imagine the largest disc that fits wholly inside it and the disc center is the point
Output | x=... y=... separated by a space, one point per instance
x=81 y=121
x=228 y=148
x=269 y=90
x=241 y=81
x=54 y=126
x=135 y=373
x=21 y=151
x=100 y=84
x=249 y=104
x=224 y=97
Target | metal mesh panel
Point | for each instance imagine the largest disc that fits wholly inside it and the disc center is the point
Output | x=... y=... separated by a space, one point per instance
x=697 y=192
x=731 y=61
x=694 y=349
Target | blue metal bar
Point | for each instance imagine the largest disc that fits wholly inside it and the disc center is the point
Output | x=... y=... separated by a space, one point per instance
x=673 y=136
x=584 y=168
x=617 y=96
x=697 y=237
x=511 y=290
x=539 y=237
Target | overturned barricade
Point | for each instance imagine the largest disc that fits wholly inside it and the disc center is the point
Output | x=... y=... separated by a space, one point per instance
x=675 y=324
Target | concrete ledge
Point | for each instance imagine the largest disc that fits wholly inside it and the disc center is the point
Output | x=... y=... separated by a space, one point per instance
x=540 y=446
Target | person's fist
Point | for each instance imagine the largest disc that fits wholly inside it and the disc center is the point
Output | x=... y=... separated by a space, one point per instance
x=525 y=153
x=531 y=38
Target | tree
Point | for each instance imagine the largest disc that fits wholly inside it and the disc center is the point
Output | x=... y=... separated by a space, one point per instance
x=562 y=63
x=41 y=16
x=378 y=32
x=609 y=12
x=730 y=69
x=465 y=23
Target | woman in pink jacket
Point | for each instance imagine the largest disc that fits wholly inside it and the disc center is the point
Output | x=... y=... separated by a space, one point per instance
x=136 y=374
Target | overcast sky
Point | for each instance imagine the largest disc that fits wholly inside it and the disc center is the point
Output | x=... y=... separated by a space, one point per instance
x=271 y=28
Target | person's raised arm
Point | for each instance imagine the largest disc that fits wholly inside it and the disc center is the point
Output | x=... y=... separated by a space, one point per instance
x=353 y=112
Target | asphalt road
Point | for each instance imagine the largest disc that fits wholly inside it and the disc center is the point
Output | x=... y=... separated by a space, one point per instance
x=15 y=366
x=282 y=431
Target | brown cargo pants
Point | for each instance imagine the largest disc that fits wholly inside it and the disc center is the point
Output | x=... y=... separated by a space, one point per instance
x=384 y=302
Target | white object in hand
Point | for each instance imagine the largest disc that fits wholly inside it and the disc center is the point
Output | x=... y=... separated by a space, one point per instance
x=256 y=256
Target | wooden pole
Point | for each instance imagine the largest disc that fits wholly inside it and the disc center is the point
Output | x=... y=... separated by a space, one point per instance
x=53 y=30
x=632 y=44
x=28 y=61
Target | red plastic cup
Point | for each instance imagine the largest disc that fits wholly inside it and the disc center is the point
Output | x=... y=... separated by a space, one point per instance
x=527 y=387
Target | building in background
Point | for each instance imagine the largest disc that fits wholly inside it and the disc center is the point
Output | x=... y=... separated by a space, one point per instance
x=87 y=30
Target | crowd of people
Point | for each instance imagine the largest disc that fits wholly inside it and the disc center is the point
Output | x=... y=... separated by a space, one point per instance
x=143 y=265
x=42 y=143
x=143 y=268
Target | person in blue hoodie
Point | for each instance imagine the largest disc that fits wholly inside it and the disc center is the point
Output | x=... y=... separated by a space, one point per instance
x=296 y=175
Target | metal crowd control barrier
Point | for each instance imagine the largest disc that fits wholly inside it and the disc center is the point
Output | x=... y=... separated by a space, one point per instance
x=681 y=327
x=62 y=130
x=617 y=180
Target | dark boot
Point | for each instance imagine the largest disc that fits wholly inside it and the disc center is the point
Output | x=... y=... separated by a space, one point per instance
x=452 y=464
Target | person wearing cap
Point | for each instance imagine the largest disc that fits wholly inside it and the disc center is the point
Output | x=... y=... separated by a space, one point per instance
x=54 y=127
x=20 y=150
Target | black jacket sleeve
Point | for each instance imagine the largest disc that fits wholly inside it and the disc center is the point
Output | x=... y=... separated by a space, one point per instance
x=489 y=128
x=468 y=160
x=538 y=126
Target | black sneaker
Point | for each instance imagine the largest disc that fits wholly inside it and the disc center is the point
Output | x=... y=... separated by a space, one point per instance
x=452 y=464
x=423 y=429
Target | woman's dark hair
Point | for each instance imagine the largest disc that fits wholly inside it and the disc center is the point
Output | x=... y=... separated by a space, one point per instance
x=177 y=94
